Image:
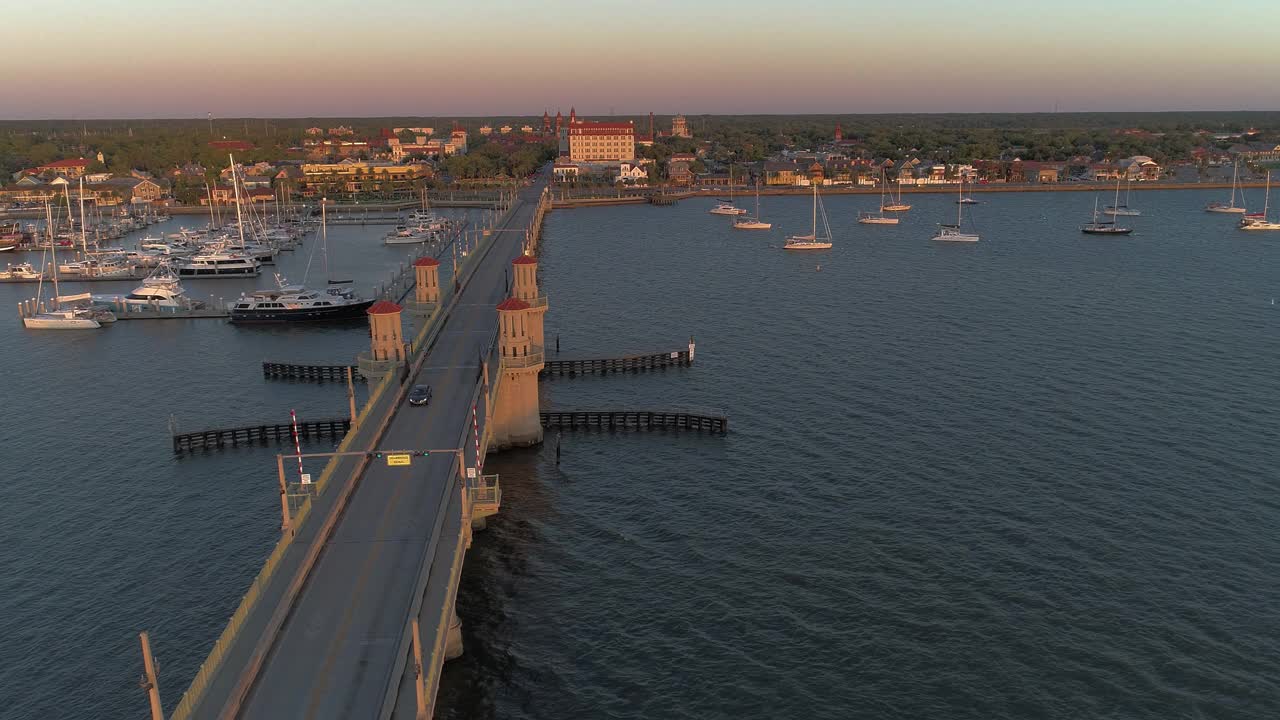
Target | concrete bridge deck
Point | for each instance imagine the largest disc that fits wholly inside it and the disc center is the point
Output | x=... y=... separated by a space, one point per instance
x=330 y=634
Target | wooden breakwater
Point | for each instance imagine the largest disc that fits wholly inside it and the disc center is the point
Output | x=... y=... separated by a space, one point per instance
x=218 y=438
x=314 y=373
x=629 y=363
x=634 y=419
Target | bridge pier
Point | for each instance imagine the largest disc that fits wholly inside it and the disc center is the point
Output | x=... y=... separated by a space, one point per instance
x=520 y=337
x=453 y=641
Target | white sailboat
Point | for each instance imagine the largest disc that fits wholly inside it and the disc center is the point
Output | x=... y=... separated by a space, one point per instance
x=1217 y=207
x=1261 y=223
x=57 y=318
x=878 y=218
x=894 y=205
x=753 y=223
x=1122 y=209
x=812 y=241
x=953 y=233
x=727 y=207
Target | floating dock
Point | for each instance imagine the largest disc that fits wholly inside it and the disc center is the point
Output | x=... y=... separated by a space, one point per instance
x=166 y=314
x=258 y=434
x=635 y=419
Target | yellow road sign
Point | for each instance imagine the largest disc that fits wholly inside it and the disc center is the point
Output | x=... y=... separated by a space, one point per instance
x=397 y=460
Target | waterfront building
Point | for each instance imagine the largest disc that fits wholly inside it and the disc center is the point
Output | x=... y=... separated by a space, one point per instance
x=486 y=130
x=629 y=172
x=70 y=168
x=314 y=131
x=782 y=172
x=591 y=141
x=360 y=177
x=565 y=169
x=505 y=129
x=1257 y=152
x=680 y=127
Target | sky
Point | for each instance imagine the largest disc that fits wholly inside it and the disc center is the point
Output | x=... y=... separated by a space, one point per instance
x=86 y=59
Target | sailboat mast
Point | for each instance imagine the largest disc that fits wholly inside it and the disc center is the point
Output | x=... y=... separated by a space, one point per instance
x=53 y=252
x=960 y=204
x=84 y=242
x=1115 y=204
x=815 y=211
x=324 y=238
x=1235 y=171
x=236 y=185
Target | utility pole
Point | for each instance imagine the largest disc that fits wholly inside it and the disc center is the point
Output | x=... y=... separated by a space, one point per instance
x=210 y=124
x=149 y=680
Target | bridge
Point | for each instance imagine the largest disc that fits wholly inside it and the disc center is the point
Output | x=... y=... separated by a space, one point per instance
x=352 y=616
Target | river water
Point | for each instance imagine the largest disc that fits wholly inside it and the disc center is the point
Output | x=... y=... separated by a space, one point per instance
x=1026 y=478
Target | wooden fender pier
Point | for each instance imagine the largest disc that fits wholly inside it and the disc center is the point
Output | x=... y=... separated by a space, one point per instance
x=319 y=373
x=634 y=419
x=258 y=434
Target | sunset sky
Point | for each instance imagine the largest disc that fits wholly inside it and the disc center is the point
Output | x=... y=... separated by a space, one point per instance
x=289 y=58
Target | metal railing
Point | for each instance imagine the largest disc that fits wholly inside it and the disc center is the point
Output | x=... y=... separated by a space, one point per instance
x=485 y=490
x=535 y=357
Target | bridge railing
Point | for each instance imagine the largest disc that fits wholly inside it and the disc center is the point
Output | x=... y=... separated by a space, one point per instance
x=231 y=632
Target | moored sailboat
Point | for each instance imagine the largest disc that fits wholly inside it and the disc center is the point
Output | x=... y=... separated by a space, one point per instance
x=1256 y=223
x=953 y=233
x=813 y=241
x=1231 y=207
x=878 y=218
x=753 y=223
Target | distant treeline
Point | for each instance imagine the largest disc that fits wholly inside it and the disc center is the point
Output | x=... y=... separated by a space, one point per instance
x=158 y=145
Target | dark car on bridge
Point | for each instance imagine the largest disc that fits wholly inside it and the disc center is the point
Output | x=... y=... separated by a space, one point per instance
x=420 y=395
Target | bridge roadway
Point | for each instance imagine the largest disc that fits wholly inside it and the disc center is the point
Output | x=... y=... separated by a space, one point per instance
x=342 y=649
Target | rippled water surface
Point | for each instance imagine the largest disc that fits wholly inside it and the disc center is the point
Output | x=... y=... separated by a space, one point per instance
x=1027 y=478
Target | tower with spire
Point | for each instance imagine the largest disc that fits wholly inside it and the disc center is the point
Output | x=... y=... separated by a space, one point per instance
x=839 y=133
x=546 y=123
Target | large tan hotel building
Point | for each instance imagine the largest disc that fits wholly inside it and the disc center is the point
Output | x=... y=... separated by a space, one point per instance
x=601 y=141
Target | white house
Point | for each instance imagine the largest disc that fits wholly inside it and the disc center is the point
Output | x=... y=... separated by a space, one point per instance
x=631 y=173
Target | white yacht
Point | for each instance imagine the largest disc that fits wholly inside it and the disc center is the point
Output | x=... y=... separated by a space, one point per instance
x=404 y=235
x=219 y=264
x=813 y=241
x=727 y=208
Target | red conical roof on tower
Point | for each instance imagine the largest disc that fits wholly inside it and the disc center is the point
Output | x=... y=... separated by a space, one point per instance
x=525 y=260
x=513 y=304
x=426 y=262
x=384 y=307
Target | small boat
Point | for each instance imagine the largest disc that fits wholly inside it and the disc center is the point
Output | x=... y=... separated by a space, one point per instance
x=753 y=223
x=404 y=235
x=1256 y=223
x=161 y=289
x=1220 y=207
x=73 y=319
x=727 y=208
x=20 y=271
x=36 y=316
x=870 y=218
x=953 y=233
x=812 y=241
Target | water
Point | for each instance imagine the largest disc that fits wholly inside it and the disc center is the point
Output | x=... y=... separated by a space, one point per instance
x=1024 y=478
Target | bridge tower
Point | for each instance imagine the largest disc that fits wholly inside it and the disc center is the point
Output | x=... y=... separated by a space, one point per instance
x=386 y=341
x=426 y=272
x=524 y=286
x=515 y=416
